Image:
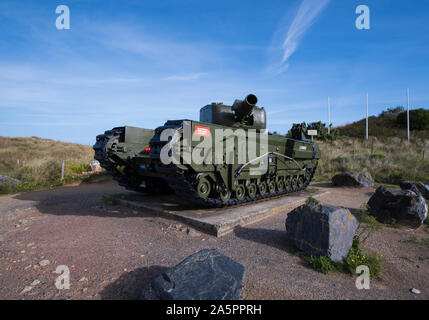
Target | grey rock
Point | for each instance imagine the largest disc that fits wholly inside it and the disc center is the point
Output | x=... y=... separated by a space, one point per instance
x=26 y=289
x=8 y=180
x=35 y=283
x=423 y=187
x=415 y=291
x=322 y=230
x=205 y=275
x=44 y=263
x=193 y=233
x=353 y=179
x=405 y=207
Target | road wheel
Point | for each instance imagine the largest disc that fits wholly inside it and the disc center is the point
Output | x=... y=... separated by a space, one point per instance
x=252 y=190
x=204 y=188
x=288 y=184
x=294 y=183
x=225 y=195
x=272 y=187
x=240 y=192
x=300 y=182
x=262 y=188
x=280 y=185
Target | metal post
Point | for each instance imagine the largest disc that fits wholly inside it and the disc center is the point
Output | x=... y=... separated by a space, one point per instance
x=329 y=115
x=367 y=116
x=62 y=170
x=408 y=114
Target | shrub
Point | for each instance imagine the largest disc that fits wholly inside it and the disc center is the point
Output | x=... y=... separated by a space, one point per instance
x=392 y=112
x=354 y=259
x=324 y=264
x=322 y=131
x=378 y=154
x=419 y=119
x=6 y=188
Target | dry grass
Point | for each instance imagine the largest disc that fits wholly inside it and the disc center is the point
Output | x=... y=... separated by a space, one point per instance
x=389 y=160
x=40 y=160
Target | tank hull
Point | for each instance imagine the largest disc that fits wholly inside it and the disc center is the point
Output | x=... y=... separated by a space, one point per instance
x=230 y=175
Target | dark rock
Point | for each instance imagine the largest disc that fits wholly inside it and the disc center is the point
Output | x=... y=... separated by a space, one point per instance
x=423 y=187
x=8 y=180
x=205 y=275
x=406 y=207
x=322 y=230
x=353 y=179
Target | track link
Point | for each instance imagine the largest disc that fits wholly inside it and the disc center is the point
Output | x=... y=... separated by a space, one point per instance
x=184 y=189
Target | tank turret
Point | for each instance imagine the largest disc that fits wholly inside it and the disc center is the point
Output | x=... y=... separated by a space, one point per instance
x=243 y=113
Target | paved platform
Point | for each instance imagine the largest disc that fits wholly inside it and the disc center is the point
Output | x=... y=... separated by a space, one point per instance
x=216 y=221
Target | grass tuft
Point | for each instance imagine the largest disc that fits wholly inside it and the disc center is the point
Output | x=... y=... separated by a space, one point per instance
x=354 y=259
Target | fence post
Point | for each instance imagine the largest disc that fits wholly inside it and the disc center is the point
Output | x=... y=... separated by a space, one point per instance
x=17 y=163
x=408 y=114
x=367 y=116
x=62 y=170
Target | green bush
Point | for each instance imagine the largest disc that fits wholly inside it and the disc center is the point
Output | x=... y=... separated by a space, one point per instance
x=378 y=154
x=6 y=188
x=322 y=131
x=392 y=112
x=419 y=119
x=324 y=264
x=354 y=259
x=357 y=258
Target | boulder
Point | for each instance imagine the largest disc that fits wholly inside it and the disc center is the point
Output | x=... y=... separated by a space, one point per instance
x=423 y=187
x=95 y=165
x=406 y=207
x=322 y=230
x=353 y=179
x=8 y=180
x=205 y=275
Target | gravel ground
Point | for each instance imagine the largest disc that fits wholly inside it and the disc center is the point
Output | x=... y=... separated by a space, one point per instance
x=111 y=251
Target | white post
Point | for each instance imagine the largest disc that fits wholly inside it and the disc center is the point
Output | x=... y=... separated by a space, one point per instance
x=62 y=170
x=17 y=163
x=408 y=114
x=329 y=115
x=367 y=116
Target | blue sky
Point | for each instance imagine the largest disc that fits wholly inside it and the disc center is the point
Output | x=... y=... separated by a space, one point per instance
x=142 y=62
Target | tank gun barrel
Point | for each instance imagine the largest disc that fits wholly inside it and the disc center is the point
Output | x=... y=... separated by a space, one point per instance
x=242 y=108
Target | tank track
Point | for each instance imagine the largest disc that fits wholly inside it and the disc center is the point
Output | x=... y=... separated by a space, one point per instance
x=110 y=167
x=185 y=189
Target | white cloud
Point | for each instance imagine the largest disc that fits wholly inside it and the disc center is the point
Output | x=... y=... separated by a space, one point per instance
x=305 y=17
x=185 y=77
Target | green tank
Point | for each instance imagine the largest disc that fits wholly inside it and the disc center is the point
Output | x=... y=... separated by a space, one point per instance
x=227 y=158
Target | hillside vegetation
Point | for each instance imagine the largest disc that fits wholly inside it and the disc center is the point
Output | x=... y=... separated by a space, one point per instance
x=40 y=162
x=391 y=123
x=389 y=160
x=387 y=154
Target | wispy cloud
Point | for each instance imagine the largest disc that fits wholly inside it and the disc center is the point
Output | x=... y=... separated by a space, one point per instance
x=185 y=77
x=305 y=17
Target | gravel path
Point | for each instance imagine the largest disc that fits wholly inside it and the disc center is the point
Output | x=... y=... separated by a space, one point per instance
x=111 y=251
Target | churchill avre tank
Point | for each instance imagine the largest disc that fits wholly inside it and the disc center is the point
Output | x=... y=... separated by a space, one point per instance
x=227 y=158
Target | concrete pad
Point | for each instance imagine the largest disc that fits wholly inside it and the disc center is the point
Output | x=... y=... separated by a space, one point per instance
x=216 y=221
